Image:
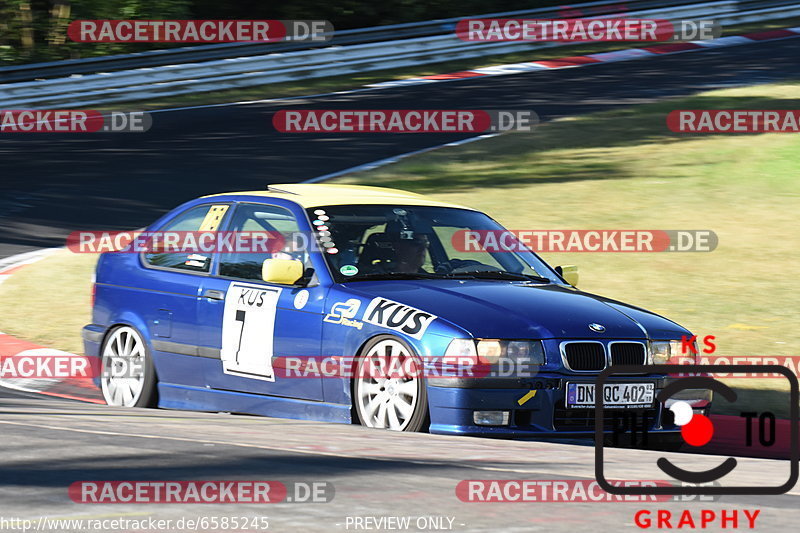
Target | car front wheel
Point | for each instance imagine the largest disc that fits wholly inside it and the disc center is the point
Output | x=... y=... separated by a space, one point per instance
x=388 y=391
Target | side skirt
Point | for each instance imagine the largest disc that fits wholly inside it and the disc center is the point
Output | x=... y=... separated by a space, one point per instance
x=172 y=396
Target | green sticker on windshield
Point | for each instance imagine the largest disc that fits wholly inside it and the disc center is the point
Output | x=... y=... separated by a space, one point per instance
x=349 y=270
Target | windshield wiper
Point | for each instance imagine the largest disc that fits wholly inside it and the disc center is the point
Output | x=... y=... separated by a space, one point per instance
x=497 y=274
x=478 y=274
x=394 y=275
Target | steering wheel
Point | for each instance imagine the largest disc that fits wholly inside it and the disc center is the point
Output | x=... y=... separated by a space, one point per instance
x=456 y=266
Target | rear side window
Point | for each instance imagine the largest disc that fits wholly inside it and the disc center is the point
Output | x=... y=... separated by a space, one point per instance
x=254 y=218
x=201 y=218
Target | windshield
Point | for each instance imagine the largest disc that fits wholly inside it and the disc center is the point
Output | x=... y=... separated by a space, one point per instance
x=364 y=242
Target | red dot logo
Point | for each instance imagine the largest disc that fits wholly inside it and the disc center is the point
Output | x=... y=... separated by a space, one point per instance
x=696 y=429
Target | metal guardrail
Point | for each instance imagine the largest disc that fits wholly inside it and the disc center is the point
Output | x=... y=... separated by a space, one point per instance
x=172 y=56
x=138 y=84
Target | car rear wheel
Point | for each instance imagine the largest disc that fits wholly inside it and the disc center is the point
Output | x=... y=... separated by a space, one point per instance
x=389 y=392
x=128 y=378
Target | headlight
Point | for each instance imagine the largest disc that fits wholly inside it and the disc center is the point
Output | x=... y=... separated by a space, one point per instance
x=665 y=352
x=530 y=351
x=461 y=348
x=493 y=351
x=489 y=351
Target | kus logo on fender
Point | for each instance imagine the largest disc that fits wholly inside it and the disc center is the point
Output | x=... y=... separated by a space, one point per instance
x=399 y=317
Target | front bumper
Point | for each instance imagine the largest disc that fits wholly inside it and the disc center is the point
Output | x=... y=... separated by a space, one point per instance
x=533 y=415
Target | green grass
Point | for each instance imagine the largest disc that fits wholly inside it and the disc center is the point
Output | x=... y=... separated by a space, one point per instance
x=340 y=83
x=766 y=397
x=47 y=302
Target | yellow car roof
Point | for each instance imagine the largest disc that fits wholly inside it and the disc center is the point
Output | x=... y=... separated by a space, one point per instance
x=322 y=194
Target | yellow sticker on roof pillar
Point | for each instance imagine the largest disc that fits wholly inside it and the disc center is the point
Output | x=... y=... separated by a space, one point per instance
x=213 y=218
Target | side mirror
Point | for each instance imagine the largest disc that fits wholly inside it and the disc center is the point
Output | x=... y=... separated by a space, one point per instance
x=282 y=271
x=569 y=273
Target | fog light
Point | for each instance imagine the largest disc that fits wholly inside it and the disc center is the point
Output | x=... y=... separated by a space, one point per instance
x=697 y=398
x=491 y=418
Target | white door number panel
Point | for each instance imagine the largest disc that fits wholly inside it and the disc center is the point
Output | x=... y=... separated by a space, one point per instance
x=248 y=326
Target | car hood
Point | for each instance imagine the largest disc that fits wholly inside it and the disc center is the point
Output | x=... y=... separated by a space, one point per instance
x=500 y=309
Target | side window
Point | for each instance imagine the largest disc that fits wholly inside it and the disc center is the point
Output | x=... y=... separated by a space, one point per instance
x=201 y=218
x=257 y=218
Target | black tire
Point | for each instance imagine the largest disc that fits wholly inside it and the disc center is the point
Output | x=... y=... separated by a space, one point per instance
x=395 y=390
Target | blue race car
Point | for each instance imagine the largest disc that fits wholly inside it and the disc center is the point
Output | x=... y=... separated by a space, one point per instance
x=362 y=276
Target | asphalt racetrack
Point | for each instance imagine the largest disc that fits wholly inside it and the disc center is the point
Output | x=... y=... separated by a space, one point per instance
x=55 y=184
x=49 y=444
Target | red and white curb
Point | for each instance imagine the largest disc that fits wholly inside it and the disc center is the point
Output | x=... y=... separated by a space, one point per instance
x=11 y=347
x=594 y=59
x=82 y=389
x=11 y=264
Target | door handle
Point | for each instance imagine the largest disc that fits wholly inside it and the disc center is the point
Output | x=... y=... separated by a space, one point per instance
x=212 y=294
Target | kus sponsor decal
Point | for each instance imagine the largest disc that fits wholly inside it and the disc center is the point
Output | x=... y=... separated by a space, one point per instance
x=399 y=317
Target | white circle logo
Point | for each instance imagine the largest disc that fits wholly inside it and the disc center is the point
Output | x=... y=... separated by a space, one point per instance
x=301 y=299
x=682 y=411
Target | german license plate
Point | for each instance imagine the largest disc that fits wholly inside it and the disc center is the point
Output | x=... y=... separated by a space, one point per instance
x=625 y=395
